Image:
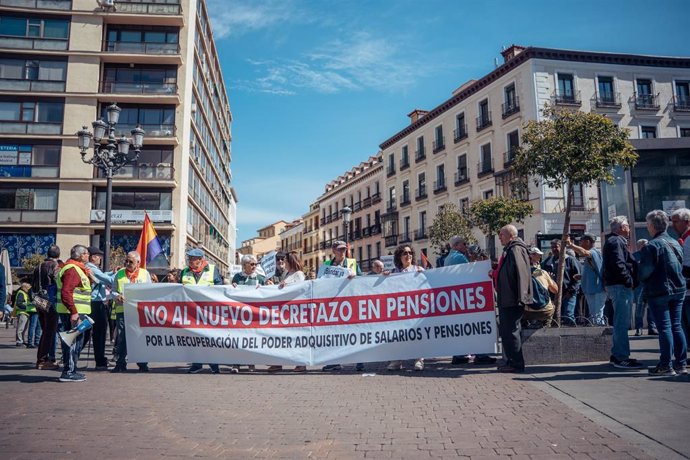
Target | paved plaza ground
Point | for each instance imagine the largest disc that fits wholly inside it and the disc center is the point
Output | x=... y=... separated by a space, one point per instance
x=551 y=412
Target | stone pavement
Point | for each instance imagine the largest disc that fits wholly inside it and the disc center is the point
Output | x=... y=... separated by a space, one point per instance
x=445 y=411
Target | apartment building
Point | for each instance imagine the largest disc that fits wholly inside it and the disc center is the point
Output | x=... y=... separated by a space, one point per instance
x=61 y=63
x=360 y=190
x=312 y=254
x=461 y=151
x=291 y=238
x=267 y=240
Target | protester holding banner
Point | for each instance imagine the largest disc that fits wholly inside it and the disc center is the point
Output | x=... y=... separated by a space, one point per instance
x=132 y=273
x=513 y=284
x=281 y=270
x=376 y=268
x=199 y=272
x=248 y=276
x=405 y=262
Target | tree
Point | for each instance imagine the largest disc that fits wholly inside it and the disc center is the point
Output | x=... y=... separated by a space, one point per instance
x=30 y=263
x=117 y=257
x=492 y=214
x=448 y=223
x=571 y=148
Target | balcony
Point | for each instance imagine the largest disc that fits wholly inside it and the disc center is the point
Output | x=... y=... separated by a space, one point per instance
x=439 y=144
x=485 y=167
x=45 y=4
x=328 y=219
x=567 y=99
x=460 y=133
x=375 y=229
x=115 y=87
x=484 y=121
x=405 y=238
x=29 y=43
x=420 y=234
x=608 y=100
x=25 y=215
x=390 y=171
x=356 y=235
x=335 y=216
x=391 y=206
x=366 y=202
x=404 y=163
x=509 y=157
x=10 y=171
x=148 y=7
x=421 y=193
x=155 y=171
x=681 y=103
x=152 y=130
x=142 y=48
x=647 y=102
x=440 y=186
x=420 y=155
x=25 y=127
x=33 y=86
x=323 y=221
x=366 y=232
x=461 y=177
x=376 y=197
x=391 y=240
x=510 y=107
x=405 y=201
x=357 y=206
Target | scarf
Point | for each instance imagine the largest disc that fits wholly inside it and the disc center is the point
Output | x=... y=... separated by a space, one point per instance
x=498 y=269
x=685 y=236
x=204 y=264
x=81 y=265
x=132 y=276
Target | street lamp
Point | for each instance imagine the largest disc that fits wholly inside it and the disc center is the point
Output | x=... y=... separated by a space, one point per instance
x=109 y=155
x=347 y=217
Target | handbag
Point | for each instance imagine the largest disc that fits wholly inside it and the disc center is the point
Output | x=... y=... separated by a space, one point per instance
x=40 y=298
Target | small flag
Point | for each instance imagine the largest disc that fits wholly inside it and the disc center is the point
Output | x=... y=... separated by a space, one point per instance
x=149 y=246
x=425 y=261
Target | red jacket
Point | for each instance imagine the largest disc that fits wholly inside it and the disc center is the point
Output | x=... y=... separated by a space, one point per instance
x=70 y=281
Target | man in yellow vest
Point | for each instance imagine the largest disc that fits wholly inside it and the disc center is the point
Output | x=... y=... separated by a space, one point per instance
x=199 y=272
x=73 y=301
x=132 y=273
x=340 y=259
x=24 y=309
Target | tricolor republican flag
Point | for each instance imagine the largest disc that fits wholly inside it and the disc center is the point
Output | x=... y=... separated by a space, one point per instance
x=149 y=246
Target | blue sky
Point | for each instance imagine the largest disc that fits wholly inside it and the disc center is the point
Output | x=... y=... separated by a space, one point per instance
x=316 y=86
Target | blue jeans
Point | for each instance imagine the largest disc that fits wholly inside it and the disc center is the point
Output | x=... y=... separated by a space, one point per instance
x=595 y=307
x=568 y=307
x=667 y=311
x=622 y=298
x=640 y=306
x=35 y=330
x=70 y=354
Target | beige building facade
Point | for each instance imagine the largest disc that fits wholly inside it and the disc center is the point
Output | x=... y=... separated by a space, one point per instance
x=291 y=238
x=360 y=190
x=268 y=240
x=312 y=252
x=61 y=63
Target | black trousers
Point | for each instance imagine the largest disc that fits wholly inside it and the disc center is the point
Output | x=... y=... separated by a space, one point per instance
x=99 y=314
x=509 y=329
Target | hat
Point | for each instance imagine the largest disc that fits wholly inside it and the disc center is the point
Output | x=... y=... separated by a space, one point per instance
x=95 y=251
x=196 y=252
x=339 y=244
x=535 y=250
x=588 y=236
x=280 y=255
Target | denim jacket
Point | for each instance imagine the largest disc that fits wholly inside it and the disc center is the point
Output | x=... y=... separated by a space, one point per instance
x=661 y=267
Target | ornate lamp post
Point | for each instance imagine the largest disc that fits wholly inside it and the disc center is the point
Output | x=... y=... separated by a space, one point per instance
x=109 y=155
x=347 y=217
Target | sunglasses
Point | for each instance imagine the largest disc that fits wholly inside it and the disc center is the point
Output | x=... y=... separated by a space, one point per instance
x=252 y=264
x=407 y=253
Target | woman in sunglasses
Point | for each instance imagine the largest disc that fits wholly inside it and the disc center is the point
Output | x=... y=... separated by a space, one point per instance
x=405 y=262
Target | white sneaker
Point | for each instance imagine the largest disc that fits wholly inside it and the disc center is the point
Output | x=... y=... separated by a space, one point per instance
x=419 y=364
x=394 y=366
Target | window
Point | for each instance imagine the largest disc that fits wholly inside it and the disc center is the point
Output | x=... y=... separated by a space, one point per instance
x=682 y=96
x=29 y=160
x=684 y=132
x=440 y=176
x=391 y=197
x=485 y=163
x=513 y=139
x=566 y=86
x=421 y=185
x=605 y=90
x=578 y=196
x=378 y=249
x=460 y=127
x=648 y=132
x=510 y=105
x=16 y=26
x=406 y=228
x=439 y=142
x=126 y=199
x=157 y=121
x=465 y=206
x=488 y=194
x=461 y=173
x=420 y=154
x=32 y=112
x=405 y=157
x=644 y=87
x=484 y=118
x=32 y=199
x=405 y=192
x=32 y=69
x=391 y=164
x=153 y=163
x=422 y=222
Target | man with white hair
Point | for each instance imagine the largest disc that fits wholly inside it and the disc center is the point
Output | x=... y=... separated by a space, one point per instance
x=458 y=252
x=376 y=268
x=131 y=273
x=680 y=220
x=620 y=278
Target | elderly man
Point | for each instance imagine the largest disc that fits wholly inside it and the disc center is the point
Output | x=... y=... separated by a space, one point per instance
x=458 y=252
x=249 y=276
x=513 y=284
x=620 y=278
x=99 y=309
x=73 y=302
x=132 y=273
x=199 y=272
x=680 y=220
x=592 y=279
x=376 y=268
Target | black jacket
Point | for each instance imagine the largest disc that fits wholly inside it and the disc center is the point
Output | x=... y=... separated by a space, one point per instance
x=514 y=281
x=572 y=268
x=619 y=267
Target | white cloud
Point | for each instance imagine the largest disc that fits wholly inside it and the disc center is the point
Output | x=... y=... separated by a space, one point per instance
x=233 y=18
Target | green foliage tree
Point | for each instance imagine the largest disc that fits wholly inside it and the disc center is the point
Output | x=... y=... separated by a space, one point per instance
x=572 y=148
x=448 y=223
x=492 y=214
x=30 y=263
x=117 y=257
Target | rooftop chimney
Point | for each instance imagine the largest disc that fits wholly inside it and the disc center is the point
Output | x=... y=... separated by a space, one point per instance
x=511 y=52
x=416 y=114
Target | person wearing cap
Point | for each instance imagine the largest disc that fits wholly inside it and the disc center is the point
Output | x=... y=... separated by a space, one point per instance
x=199 y=272
x=592 y=278
x=281 y=271
x=131 y=273
x=340 y=259
x=99 y=308
x=544 y=314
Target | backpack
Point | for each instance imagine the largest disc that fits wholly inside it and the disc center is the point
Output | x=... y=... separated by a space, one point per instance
x=540 y=295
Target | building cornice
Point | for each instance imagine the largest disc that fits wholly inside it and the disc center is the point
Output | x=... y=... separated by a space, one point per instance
x=538 y=53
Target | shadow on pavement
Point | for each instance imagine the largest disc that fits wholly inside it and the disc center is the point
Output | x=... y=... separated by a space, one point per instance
x=28 y=378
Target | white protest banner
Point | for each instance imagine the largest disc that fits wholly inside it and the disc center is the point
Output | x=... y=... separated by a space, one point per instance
x=234 y=269
x=268 y=263
x=449 y=311
x=328 y=271
x=388 y=263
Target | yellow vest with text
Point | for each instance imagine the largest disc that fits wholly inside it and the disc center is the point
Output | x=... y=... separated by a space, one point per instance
x=28 y=306
x=206 y=278
x=350 y=263
x=121 y=279
x=81 y=295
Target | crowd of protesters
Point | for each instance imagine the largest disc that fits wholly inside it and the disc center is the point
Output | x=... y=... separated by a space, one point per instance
x=600 y=287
